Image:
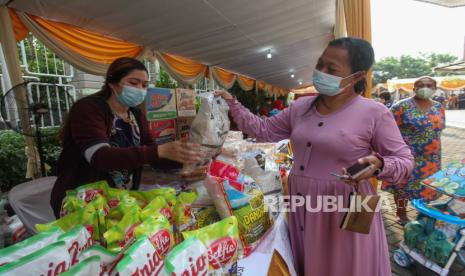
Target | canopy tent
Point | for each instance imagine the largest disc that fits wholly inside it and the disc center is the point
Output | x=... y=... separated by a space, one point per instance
x=453 y=67
x=450 y=83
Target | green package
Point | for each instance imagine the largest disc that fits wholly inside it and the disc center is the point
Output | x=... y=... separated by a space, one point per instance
x=159 y=231
x=145 y=197
x=119 y=235
x=89 y=266
x=88 y=192
x=183 y=217
x=157 y=206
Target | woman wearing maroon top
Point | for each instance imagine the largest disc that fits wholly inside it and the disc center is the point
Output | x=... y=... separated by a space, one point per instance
x=106 y=137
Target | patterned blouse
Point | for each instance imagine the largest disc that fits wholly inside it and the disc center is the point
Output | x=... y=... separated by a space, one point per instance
x=421 y=131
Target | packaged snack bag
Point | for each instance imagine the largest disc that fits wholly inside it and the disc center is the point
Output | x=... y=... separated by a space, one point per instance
x=119 y=235
x=77 y=240
x=145 y=197
x=30 y=245
x=14 y=230
x=50 y=260
x=71 y=203
x=115 y=196
x=126 y=203
x=89 y=266
x=204 y=215
x=183 y=217
x=159 y=231
x=108 y=260
x=87 y=216
x=89 y=191
x=158 y=206
x=140 y=259
x=222 y=242
x=187 y=258
x=235 y=195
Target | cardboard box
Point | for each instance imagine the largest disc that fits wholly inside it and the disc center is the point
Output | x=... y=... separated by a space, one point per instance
x=163 y=131
x=160 y=104
x=183 y=126
x=185 y=102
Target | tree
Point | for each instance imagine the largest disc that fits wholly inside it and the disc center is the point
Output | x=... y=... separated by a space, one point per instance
x=407 y=66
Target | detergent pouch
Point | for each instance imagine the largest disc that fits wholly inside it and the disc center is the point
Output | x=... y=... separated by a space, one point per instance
x=235 y=194
x=119 y=235
x=108 y=260
x=77 y=240
x=222 y=242
x=209 y=128
x=88 y=217
x=157 y=206
x=29 y=245
x=89 y=266
x=188 y=258
x=141 y=259
x=159 y=232
x=50 y=260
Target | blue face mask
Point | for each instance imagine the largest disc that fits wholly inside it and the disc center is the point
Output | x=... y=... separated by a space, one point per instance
x=131 y=96
x=327 y=84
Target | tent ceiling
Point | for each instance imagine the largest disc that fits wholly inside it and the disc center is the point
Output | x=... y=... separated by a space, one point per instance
x=234 y=35
x=446 y=3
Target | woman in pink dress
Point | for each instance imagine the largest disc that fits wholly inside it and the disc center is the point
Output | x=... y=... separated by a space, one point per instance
x=332 y=131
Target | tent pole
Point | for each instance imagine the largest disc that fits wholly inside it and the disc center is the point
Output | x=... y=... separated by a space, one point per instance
x=211 y=84
x=8 y=41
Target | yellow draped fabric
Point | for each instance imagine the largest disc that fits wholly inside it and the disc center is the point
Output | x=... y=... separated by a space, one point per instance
x=358 y=23
x=182 y=69
x=18 y=27
x=452 y=84
x=261 y=85
x=245 y=83
x=90 y=45
x=224 y=78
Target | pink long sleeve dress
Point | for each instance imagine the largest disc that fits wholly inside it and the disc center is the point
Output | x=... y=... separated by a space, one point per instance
x=324 y=144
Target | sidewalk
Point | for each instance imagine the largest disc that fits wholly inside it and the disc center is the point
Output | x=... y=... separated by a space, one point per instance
x=453 y=149
x=455 y=118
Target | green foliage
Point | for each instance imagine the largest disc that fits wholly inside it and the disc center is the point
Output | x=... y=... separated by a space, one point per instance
x=13 y=158
x=165 y=80
x=246 y=98
x=407 y=66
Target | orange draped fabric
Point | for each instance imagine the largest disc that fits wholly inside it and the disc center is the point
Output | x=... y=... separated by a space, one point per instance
x=245 y=83
x=18 y=27
x=261 y=85
x=224 y=78
x=183 y=69
x=90 y=45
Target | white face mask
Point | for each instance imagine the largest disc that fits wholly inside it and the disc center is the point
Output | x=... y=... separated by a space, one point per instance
x=424 y=93
x=327 y=84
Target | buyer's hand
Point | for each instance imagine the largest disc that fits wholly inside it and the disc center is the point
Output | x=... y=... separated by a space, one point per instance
x=224 y=94
x=375 y=166
x=181 y=151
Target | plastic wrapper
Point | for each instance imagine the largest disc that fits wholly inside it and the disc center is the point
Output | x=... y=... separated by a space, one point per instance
x=158 y=206
x=14 y=230
x=108 y=260
x=141 y=259
x=115 y=196
x=204 y=215
x=49 y=260
x=117 y=213
x=119 y=235
x=188 y=258
x=160 y=233
x=222 y=242
x=77 y=239
x=209 y=128
x=183 y=217
x=30 y=245
x=89 y=266
x=235 y=194
x=145 y=197
x=89 y=192
x=87 y=216
x=268 y=181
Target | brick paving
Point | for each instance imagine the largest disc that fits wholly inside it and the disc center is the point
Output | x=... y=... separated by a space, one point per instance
x=453 y=149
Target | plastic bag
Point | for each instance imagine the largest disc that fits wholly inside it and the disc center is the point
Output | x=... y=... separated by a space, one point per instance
x=140 y=259
x=222 y=242
x=115 y=196
x=145 y=197
x=119 y=235
x=50 y=260
x=188 y=258
x=108 y=260
x=88 y=192
x=77 y=240
x=157 y=206
x=89 y=266
x=30 y=245
x=183 y=217
x=268 y=181
x=209 y=128
x=160 y=233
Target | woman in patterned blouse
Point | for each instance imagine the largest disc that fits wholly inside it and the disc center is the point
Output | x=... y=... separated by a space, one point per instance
x=420 y=120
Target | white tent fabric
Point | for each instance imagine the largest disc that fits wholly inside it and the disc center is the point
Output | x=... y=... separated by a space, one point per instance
x=446 y=3
x=234 y=35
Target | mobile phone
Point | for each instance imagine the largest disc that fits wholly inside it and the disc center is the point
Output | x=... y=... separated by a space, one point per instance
x=358 y=169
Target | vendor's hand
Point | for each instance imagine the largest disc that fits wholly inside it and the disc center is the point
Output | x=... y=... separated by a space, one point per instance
x=181 y=151
x=224 y=94
x=376 y=164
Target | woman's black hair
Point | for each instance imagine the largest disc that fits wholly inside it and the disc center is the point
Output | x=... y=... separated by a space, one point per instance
x=361 y=58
